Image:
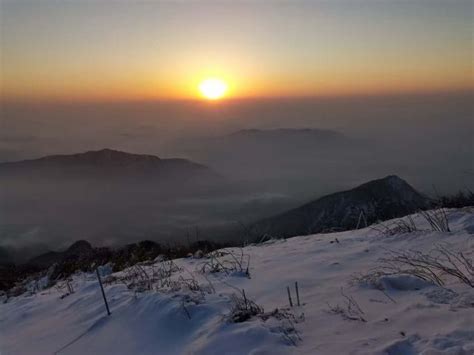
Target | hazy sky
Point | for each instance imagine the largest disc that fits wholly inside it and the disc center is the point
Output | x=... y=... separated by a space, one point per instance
x=150 y=49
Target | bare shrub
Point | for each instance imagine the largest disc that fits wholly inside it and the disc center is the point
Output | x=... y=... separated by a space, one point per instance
x=405 y=225
x=265 y=238
x=65 y=288
x=434 y=266
x=243 y=308
x=190 y=283
x=227 y=261
x=163 y=271
x=350 y=310
x=145 y=278
x=137 y=278
x=163 y=276
x=400 y=226
x=437 y=219
x=287 y=325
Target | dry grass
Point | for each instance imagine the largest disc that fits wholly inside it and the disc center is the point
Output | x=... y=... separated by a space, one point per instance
x=435 y=266
x=349 y=310
x=228 y=261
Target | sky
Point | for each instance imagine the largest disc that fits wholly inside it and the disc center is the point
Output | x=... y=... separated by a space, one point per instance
x=140 y=50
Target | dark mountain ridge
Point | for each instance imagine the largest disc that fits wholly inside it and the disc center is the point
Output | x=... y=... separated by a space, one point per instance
x=106 y=162
x=375 y=200
x=99 y=195
x=79 y=249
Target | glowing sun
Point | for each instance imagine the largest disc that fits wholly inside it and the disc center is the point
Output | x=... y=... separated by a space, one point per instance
x=213 y=88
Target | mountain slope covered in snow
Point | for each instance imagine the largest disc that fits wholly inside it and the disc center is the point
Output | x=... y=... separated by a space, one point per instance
x=186 y=306
x=376 y=200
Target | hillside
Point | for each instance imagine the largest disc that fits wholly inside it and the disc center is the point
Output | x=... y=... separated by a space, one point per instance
x=101 y=194
x=373 y=201
x=188 y=309
x=106 y=163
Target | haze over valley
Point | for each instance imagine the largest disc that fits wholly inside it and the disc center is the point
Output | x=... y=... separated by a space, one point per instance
x=264 y=156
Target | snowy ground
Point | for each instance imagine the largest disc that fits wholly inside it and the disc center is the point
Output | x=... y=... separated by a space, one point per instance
x=407 y=317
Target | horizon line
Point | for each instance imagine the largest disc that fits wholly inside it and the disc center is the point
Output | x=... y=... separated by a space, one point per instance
x=131 y=100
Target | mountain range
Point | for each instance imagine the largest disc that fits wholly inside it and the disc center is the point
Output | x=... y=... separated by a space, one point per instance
x=275 y=154
x=110 y=164
x=111 y=198
x=99 y=195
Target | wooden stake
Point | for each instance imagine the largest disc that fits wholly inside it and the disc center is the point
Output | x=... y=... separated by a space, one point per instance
x=103 y=293
x=358 y=221
x=297 y=293
x=289 y=296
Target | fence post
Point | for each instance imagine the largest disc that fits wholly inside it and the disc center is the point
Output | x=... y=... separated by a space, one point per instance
x=297 y=293
x=289 y=296
x=103 y=293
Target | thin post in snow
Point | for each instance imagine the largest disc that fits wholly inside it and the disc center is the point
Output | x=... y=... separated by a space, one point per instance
x=297 y=293
x=289 y=296
x=358 y=221
x=103 y=293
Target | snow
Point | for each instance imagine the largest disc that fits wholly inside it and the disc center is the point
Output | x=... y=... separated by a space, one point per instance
x=405 y=315
x=403 y=283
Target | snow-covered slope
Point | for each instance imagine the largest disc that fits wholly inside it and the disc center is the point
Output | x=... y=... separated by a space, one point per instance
x=397 y=314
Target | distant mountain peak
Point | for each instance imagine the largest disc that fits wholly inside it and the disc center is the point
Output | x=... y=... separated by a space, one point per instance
x=78 y=245
x=380 y=199
x=109 y=163
x=79 y=248
x=391 y=184
x=393 y=181
x=106 y=152
x=102 y=155
x=110 y=152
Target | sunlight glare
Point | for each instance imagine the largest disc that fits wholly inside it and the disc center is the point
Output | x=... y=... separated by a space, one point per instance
x=213 y=88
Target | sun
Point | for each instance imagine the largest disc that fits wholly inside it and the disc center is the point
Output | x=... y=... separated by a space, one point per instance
x=213 y=88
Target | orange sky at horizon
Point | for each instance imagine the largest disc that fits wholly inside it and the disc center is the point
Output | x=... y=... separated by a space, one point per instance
x=142 y=51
